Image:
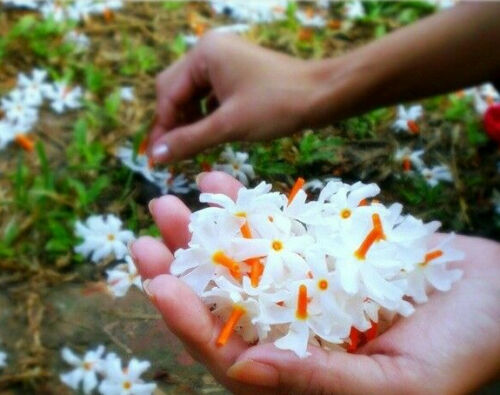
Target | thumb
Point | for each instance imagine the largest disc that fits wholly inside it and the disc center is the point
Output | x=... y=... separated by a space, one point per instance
x=185 y=141
x=322 y=372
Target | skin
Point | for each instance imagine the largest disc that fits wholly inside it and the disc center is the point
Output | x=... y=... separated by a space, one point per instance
x=449 y=345
x=258 y=94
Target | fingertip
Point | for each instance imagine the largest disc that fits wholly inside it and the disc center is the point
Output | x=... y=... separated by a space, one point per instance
x=151 y=257
x=219 y=182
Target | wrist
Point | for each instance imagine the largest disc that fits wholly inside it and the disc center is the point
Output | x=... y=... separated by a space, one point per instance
x=343 y=87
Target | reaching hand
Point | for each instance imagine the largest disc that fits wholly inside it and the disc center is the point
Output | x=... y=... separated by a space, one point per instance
x=451 y=344
x=260 y=94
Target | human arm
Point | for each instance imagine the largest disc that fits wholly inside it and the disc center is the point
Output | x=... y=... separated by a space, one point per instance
x=262 y=94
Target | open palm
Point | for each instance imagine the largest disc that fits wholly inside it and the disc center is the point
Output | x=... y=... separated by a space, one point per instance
x=449 y=345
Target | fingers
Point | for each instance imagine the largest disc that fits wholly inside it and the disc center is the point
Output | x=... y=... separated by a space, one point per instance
x=190 y=320
x=321 y=372
x=185 y=141
x=151 y=257
x=172 y=218
x=219 y=182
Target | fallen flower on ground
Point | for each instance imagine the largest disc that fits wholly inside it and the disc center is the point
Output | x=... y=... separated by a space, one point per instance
x=436 y=174
x=102 y=236
x=125 y=381
x=407 y=119
x=64 y=97
x=85 y=370
x=237 y=165
x=122 y=277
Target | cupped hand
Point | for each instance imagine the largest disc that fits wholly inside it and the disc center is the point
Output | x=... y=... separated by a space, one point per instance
x=259 y=94
x=451 y=344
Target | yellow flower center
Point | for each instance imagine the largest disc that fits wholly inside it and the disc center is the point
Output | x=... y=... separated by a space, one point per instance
x=277 y=245
x=323 y=284
x=111 y=237
x=127 y=385
x=345 y=213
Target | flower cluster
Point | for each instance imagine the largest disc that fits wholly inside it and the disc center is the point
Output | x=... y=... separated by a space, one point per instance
x=87 y=371
x=21 y=106
x=296 y=272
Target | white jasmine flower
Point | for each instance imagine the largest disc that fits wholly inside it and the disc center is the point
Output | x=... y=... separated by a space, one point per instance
x=3 y=359
x=138 y=163
x=85 y=369
x=431 y=269
x=80 y=9
x=407 y=158
x=79 y=40
x=316 y=184
x=18 y=110
x=28 y=4
x=104 y=6
x=489 y=92
x=237 y=165
x=309 y=18
x=406 y=120
x=125 y=381
x=435 y=174
x=33 y=88
x=168 y=183
x=63 y=96
x=102 y=236
x=127 y=93
x=53 y=9
x=251 y=11
x=122 y=277
x=7 y=133
x=354 y=9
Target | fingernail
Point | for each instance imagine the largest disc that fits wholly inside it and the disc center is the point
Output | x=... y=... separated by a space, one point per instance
x=145 y=286
x=151 y=205
x=159 y=152
x=199 y=177
x=252 y=372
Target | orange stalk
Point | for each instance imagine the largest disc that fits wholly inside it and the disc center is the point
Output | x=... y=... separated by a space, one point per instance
x=302 y=301
x=256 y=269
x=245 y=230
x=228 y=327
x=406 y=164
x=295 y=189
x=25 y=142
x=433 y=255
x=414 y=128
x=371 y=238
x=364 y=202
x=143 y=146
x=222 y=259
x=355 y=338
x=377 y=224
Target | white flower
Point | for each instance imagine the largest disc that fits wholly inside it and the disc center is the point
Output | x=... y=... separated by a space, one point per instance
x=3 y=359
x=85 y=369
x=28 y=4
x=80 y=9
x=489 y=92
x=63 y=96
x=138 y=163
x=315 y=183
x=251 y=11
x=122 y=277
x=13 y=132
x=407 y=158
x=168 y=183
x=125 y=381
x=406 y=120
x=237 y=165
x=310 y=19
x=127 y=93
x=354 y=9
x=52 y=9
x=33 y=88
x=18 y=110
x=102 y=236
x=431 y=269
x=435 y=174
x=103 y=6
x=7 y=133
x=79 y=40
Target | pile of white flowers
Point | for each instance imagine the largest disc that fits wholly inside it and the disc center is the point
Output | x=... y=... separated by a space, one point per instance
x=94 y=366
x=284 y=270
